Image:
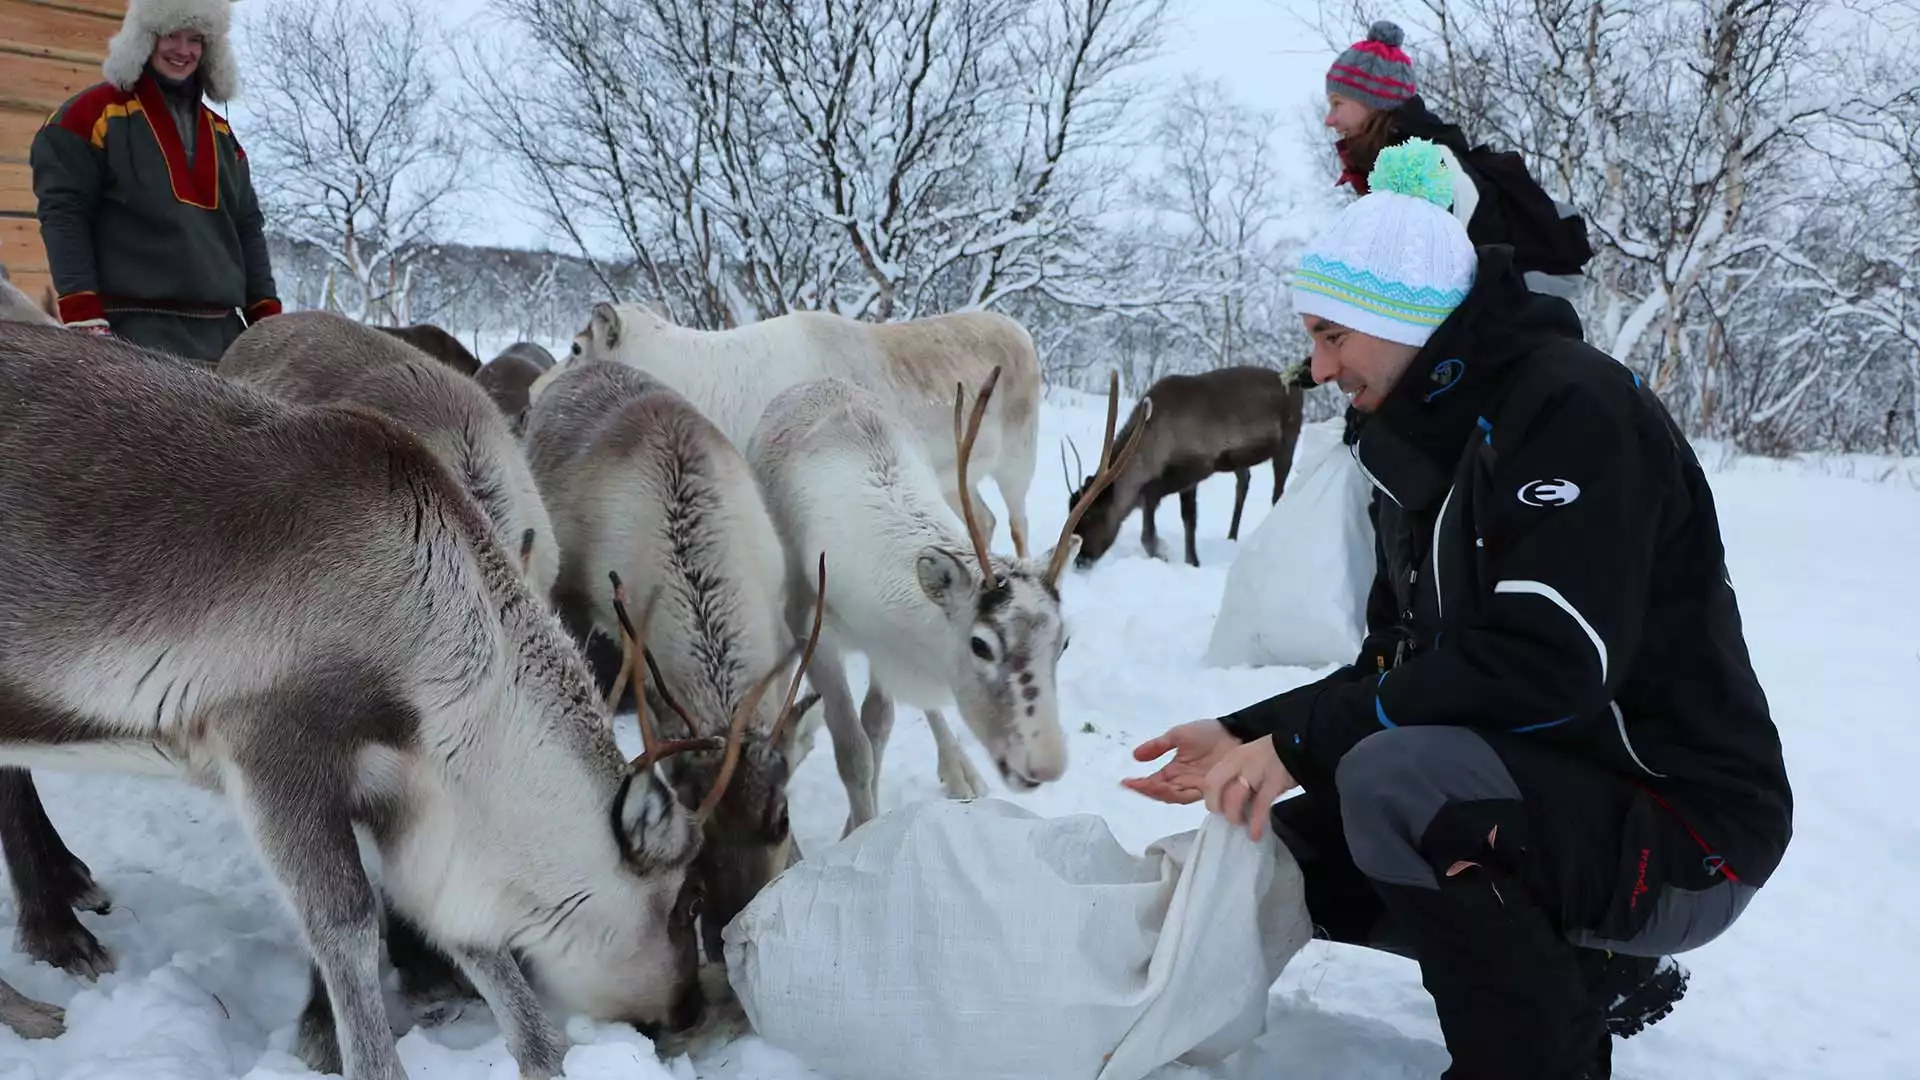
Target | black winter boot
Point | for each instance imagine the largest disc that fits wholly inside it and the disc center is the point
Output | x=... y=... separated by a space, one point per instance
x=1638 y=992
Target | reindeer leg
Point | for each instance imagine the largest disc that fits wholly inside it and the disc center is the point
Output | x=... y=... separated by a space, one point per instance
x=48 y=883
x=28 y=1018
x=536 y=1044
x=293 y=799
x=876 y=719
x=958 y=778
x=1190 y=520
x=852 y=751
x=429 y=978
x=1149 y=534
x=1241 y=479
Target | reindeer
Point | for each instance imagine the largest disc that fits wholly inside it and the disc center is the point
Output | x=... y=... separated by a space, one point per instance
x=507 y=377
x=642 y=486
x=436 y=343
x=732 y=375
x=317 y=357
x=17 y=306
x=299 y=607
x=843 y=474
x=48 y=881
x=1228 y=419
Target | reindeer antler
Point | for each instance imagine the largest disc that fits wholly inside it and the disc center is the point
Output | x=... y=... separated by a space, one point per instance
x=654 y=750
x=963 y=446
x=736 y=734
x=1110 y=466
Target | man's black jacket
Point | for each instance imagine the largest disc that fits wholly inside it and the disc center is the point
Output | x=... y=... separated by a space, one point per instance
x=1549 y=564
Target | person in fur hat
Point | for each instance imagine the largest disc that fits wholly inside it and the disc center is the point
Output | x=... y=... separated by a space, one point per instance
x=146 y=202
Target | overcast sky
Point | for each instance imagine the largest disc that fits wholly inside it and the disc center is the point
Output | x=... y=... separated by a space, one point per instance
x=1269 y=56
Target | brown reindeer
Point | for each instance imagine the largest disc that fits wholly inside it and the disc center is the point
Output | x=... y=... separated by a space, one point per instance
x=436 y=343
x=507 y=377
x=1226 y=420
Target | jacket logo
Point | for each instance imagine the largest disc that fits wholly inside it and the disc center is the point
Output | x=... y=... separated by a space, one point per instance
x=1446 y=374
x=1554 y=492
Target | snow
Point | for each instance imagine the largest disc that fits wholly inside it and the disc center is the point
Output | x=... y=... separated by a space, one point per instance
x=1817 y=980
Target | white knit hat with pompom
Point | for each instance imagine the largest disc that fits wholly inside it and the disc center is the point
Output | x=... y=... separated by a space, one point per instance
x=1395 y=263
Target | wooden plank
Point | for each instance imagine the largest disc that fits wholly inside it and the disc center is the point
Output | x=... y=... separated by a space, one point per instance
x=46 y=29
x=112 y=9
x=39 y=84
x=16 y=189
x=17 y=128
x=25 y=259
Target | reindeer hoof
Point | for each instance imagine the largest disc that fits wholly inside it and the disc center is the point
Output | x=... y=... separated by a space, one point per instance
x=55 y=936
x=34 y=1019
x=439 y=1013
x=315 y=1042
x=73 y=885
x=961 y=780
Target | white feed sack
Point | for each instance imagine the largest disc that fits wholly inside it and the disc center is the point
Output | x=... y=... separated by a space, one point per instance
x=1296 y=594
x=976 y=940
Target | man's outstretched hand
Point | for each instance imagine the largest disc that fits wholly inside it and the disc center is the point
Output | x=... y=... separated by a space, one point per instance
x=1238 y=780
x=1198 y=746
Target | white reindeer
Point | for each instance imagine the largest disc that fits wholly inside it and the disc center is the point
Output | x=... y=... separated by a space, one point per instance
x=646 y=490
x=300 y=607
x=731 y=376
x=843 y=477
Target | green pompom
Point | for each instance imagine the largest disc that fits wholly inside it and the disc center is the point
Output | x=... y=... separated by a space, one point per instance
x=1414 y=168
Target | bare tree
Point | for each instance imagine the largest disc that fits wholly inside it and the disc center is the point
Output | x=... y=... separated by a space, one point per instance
x=879 y=159
x=355 y=156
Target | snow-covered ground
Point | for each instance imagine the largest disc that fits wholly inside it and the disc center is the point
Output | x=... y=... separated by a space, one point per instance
x=1818 y=980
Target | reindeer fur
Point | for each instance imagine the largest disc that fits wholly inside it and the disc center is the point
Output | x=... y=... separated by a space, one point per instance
x=1226 y=420
x=732 y=375
x=48 y=880
x=436 y=343
x=507 y=378
x=299 y=607
x=316 y=357
x=643 y=485
x=844 y=474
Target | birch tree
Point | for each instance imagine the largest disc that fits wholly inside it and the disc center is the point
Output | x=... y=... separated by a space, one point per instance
x=353 y=155
x=878 y=159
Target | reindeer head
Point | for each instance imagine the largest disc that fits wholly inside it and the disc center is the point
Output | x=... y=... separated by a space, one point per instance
x=739 y=784
x=610 y=324
x=1008 y=632
x=1106 y=505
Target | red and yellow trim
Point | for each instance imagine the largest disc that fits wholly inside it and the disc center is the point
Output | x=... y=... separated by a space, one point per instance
x=198 y=185
x=263 y=309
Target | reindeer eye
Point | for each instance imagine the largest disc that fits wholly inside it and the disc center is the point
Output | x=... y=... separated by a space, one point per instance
x=981 y=649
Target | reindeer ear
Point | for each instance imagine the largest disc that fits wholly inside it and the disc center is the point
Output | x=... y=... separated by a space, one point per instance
x=943 y=577
x=606 y=324
x=653 y=828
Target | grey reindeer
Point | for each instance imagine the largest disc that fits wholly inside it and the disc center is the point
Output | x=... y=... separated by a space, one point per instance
x=644 y=487
x=48 y=881
x=300 y=607
x=1226 y=420
x=317 y=357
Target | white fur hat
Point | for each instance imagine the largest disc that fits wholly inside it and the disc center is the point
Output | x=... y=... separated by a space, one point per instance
x=1394 y=263
x=149 y=20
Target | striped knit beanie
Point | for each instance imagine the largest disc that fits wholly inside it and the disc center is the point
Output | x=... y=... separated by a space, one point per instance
x=1395 y=262
x=1374 y=72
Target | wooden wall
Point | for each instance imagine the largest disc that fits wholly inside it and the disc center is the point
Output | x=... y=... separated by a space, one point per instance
x=49 y=50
